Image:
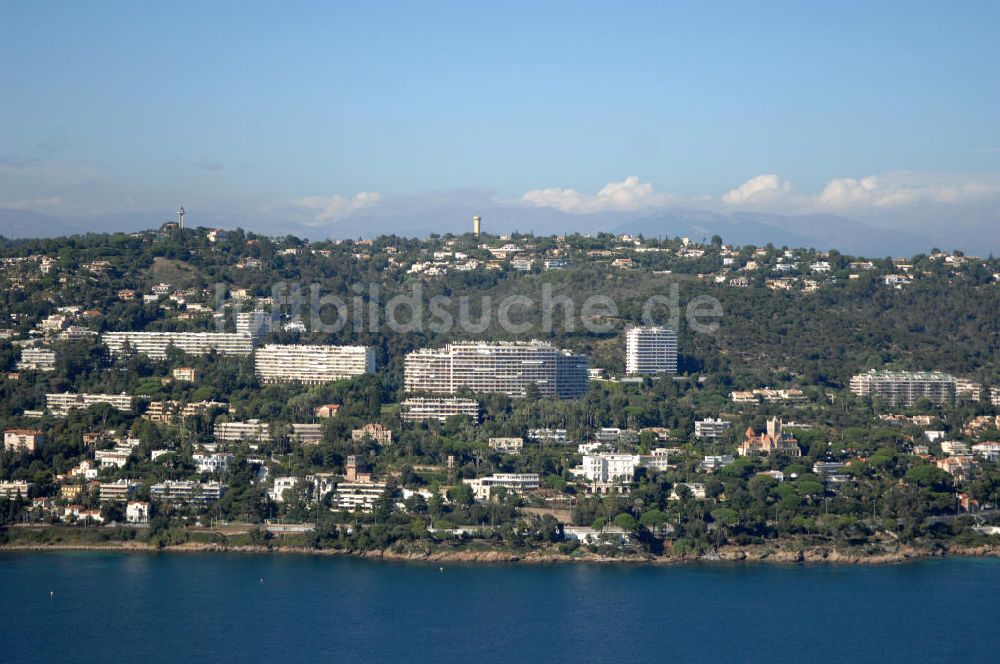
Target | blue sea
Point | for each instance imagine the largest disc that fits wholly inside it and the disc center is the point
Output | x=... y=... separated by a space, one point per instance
x=108 y=607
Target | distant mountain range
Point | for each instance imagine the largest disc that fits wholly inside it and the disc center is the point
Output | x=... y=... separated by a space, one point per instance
x=820 y=231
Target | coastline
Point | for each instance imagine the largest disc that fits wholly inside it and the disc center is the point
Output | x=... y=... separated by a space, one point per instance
x=760 y=554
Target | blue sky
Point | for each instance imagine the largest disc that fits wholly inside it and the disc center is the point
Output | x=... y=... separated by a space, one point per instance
x=868 y=109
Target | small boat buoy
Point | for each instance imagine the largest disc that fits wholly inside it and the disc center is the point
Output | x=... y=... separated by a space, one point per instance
x=262 y=580
x=52 y=593
x=440 y=569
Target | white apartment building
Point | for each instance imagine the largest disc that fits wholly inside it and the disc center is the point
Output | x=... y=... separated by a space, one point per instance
x=658 y=460
x=312 y=365
x=86 y=469
x=168 y=411
x=234 y=432
x=612 y=435
x=905 y=388
x=697 y=490
x=507 y=445
x=186 y=491
x=967 y=389
x=27 y=440
x=351 y=496
x=508 y=367
x=713 y=462
x=954 y=447
x=155 y=344
x=281 y=485
x=609 y=467
x=317 y=485
x=37 y=359
x=212 y=462
x=12 y=489
x=828 y=467
x=482 y=487
x=650 y=350
x=184 y=373
x=118 y=491
x=256 y=324
x=53 y=323
x=820 y=266
x=62 y=404
x=989 y=451
x=116 y=458
x=137 y=511
x=711 y=428
x=418 y=409
x=307 y=433
x=549 y=436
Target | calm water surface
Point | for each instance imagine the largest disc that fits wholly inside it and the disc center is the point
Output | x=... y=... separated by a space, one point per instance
x=245 y=608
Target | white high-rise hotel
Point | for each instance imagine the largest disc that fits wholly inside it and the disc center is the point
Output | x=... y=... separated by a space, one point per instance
x=312 y=365
x=506 y=366
x=650 y=350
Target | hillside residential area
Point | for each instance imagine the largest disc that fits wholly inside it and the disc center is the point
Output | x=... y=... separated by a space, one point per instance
x=561 y=396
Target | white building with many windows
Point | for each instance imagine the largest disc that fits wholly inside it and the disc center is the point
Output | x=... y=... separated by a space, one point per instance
x=185 y=491
x=62 y=404
x=37 y=359
x=306 y=433
x=118 y=491
x=212 y=462
x=418 y=409
x=155 y=344
x=256 y=324
x=137 y=511
x=26 y=440
x=482 y=487
x=253 y=431
x=711 y=428
x=905 y=388
x=312 y=365
x=650 y=350
x=11 y=489
x=609 y=467
x=507 y=445
x=281 y=485
x=351 y=496
x=509 y=367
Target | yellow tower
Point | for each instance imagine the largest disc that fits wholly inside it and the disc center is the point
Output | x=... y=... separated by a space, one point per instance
x=475 y=226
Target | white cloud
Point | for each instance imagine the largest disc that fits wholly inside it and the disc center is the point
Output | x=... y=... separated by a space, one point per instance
x=763 y=188
x=894 y=190
x=902 y=189
x=337 y=207
x=629 y=194
x=842 y=192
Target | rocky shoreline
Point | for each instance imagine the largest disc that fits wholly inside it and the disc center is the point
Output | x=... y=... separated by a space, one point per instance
x=760 y=554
